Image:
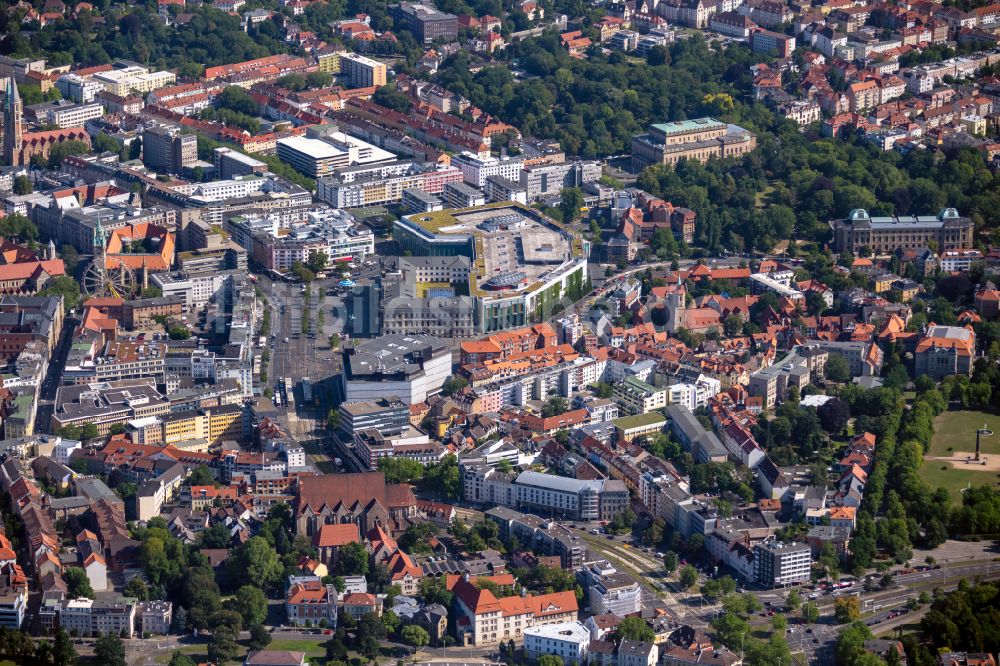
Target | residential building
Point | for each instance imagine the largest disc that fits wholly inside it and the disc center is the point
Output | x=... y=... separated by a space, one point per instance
x=154 y=617
x=309 y=600
x=88 y=617
x=168 y=150
x=361 y=71
x=637 y=397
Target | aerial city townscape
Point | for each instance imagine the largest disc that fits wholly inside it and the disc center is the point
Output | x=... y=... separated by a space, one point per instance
x=500 y=332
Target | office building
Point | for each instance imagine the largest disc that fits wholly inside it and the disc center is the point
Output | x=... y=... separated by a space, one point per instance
x=13 y=606
x=545 y=494
x=424 y=22
x=415 y=200
x=378 y=184
x=389 y=415
x=700 y=139
x=362 y=72
x=548 y=180
x=154 y=617
x=230 y=163
x=947 y=230
x=778 y=564
x=411 y=367
x=476 y=169
x=460 y=195
x=703 y=444
x=637 y=397
x=610 y=590
x=523 y=262
x=322 y=151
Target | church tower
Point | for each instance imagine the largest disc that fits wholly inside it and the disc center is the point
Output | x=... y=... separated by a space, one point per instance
x=13 y=112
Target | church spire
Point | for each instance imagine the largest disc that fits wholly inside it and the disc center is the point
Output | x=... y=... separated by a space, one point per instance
x=12 y=115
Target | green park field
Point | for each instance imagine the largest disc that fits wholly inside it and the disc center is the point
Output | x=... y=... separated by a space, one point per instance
x=955 y=434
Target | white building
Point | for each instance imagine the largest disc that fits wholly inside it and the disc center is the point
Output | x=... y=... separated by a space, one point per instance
x=78 y=88
x=91 y=618
x=195 y=290
x=475 y=169
x=154 y=617
x=609 y=590
x=411 y=367
x=13 y=604
x=133 y=80
x=568 y=640
x=73 y=115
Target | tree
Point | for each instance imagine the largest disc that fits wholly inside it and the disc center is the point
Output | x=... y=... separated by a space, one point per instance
x=415 y=635
x=63 y=652
x=635 y=629
x=834 y=415
x=318 y=79
x=22 y=185
x=65 y=286
x=554 y=406
x=77 y=583
x=670 y=562
x=19 y=228
x=260 y=637
x=435 y=591
x=64 y=149
x=251 y=604
x=110 y=650
x=793 y=600
x=352 y=560
x=453 y=385
x=549 y=660
x=688 y=577
x=256 y=563
x=443 y=478
x=837 y=369
x=179 y=332
x=317 y=261
x=202 y=476
x=136 y=587
x=223 y=646
x=570 y=203
x=180 y=659
x=846 y=609
x=810 y=612
x=400 y=470
x=389 y=97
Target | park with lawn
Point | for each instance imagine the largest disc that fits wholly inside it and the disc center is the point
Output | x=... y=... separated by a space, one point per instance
x=945 y=464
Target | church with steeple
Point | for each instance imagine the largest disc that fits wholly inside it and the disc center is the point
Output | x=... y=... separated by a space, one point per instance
x=20 y=146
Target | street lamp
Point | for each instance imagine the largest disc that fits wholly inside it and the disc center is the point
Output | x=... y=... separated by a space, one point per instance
x=984 y=432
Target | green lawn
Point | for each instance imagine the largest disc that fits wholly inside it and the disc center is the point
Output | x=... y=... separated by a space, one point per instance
x=313 y=648
x=956 y=431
